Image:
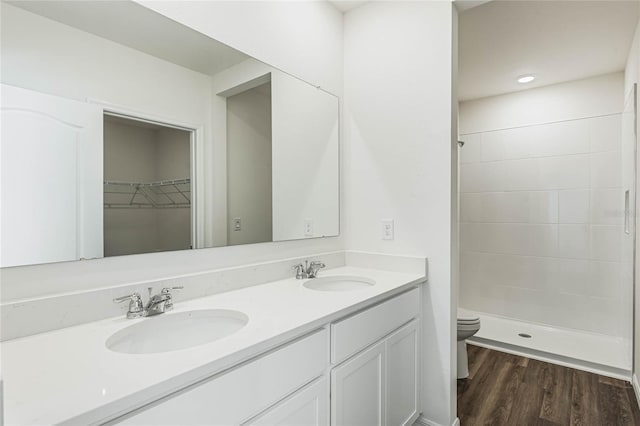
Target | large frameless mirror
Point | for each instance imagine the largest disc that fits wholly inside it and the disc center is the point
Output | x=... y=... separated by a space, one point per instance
x=124 y=132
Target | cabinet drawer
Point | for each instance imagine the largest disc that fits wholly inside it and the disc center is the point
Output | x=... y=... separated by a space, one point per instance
x=354 y=333
x=233 y=397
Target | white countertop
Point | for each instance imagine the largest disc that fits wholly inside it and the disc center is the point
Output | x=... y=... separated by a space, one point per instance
x=69 y=376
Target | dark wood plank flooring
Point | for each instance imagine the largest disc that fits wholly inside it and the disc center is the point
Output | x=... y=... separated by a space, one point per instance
x=504 y=389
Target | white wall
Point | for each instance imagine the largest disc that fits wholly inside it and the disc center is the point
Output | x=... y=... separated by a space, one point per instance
x=249 y=166
x=399 y=161
x=307 y=41
x=305 y=145
x=305 y=160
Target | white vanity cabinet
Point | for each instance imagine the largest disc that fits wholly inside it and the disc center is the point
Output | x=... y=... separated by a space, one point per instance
x=378 y=385
x=358 y=370
x=236 y=396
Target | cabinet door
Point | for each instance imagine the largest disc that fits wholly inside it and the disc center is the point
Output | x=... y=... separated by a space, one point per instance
x=402 y=375
x=358 y=389
x=307 y=407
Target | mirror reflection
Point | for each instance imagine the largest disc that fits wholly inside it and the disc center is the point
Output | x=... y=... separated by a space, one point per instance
x=141 y=135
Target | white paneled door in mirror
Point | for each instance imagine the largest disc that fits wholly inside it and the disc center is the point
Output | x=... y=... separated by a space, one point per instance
x=51 y=178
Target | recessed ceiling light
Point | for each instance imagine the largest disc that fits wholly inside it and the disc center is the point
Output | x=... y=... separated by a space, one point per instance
x=526 y=79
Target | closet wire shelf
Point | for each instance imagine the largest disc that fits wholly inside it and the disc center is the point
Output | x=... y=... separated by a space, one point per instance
x=164 y=194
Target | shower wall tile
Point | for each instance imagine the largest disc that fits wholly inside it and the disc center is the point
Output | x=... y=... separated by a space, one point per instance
x=555 y=139
x=606 y=133
x=604 y=315
x=565 y=172
x=606 y=169
x=605 y=280
x=574 y=206
x=606 y=242
x=523 y=175
x=571 y=276
x=573 y=241
x=470 y=177
x=471 y=207
x=494 y=146
x=541 y=231
x=472 y=148
x=544 y=207
x=505 y=207
x=494 y=176
x=607 y=207
x=521 y=144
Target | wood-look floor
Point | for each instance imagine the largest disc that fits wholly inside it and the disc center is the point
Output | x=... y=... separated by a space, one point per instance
x=504 y=389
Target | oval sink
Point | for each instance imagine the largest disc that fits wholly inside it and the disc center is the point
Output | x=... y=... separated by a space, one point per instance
x=171 y=332
x=339 y=283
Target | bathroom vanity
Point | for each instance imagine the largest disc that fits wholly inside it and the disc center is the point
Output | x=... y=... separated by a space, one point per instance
x=321 y=354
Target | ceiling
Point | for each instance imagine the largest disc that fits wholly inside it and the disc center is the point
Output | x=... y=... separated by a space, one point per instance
x=556 y=41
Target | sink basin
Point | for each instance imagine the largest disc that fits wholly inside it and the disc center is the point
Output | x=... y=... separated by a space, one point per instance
x=339 y=283
x=171 y=332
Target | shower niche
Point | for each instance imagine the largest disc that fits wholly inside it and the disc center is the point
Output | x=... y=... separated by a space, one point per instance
x=147 y=187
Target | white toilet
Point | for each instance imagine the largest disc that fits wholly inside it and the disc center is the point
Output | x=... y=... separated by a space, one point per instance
x=468 y=325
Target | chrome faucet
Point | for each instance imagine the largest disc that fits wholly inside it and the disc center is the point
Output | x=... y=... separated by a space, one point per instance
x=157 y=304
x=161 y=303
x=313 y=268
x=136 y=309
x=308 y=270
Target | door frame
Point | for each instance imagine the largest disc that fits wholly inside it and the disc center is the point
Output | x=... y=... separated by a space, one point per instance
x=197 y=161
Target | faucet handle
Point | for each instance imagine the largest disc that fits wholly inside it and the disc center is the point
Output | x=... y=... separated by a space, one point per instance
x=314 y=267
x=301 y=272
x=136 y=308
x=168 y=304
x=167 y=290
x=133 y=297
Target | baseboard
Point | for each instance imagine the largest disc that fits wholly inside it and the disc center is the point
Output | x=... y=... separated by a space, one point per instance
x=636 y=388
x=603 y=370
x=422 y=421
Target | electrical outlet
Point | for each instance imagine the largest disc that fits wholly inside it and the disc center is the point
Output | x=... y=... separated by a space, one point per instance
x=387 y=229
x=308 y=227
x=237 y=224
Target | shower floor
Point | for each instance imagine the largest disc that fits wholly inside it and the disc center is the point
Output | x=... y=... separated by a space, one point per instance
x=591 y=352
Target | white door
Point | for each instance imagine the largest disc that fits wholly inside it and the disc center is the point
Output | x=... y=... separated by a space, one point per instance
x=51 y=169
x=402 y=375
x=307 y=407
x=358 y=389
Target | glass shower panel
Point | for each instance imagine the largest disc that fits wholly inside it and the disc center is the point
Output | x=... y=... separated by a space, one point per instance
x=628 y=152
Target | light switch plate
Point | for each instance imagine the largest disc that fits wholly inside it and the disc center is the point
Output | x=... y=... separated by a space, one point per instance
x=387 y=229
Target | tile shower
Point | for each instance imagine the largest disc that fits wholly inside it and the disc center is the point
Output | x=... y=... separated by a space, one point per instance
x=542 y=226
